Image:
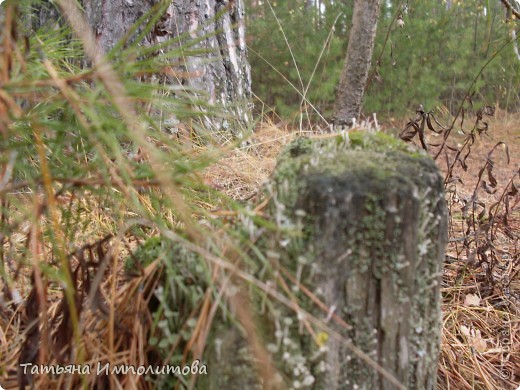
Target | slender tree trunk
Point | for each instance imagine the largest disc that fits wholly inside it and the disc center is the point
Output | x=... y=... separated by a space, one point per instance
x=351 y=87
x=511 y=21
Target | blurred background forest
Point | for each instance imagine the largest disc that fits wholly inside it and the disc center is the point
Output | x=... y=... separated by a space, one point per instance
x=431 y=60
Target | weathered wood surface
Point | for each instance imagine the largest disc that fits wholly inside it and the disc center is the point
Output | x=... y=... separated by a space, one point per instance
x=375 y=229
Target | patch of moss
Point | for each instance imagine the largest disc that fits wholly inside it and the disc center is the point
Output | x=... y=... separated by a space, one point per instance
x=144 y=255
x=363 y=156
x=177 y=298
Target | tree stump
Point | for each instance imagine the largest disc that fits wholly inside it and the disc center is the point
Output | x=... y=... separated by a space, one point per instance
x=373 y=223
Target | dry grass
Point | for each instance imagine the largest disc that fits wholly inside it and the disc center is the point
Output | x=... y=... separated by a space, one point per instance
x=242 y=172
x=481 y=325
x=117 y=335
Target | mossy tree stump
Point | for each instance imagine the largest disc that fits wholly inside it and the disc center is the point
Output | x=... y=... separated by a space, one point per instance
x=373 y=224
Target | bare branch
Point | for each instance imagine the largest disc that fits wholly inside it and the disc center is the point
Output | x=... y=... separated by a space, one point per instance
x=510 y=7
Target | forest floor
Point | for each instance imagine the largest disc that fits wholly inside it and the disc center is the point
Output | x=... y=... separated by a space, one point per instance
x=480 y=346
x=481 y=300
x=481 y=313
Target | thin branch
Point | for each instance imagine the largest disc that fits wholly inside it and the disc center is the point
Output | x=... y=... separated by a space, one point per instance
x=509 y=6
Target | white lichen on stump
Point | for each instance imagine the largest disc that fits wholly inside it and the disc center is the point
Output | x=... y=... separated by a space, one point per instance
x=374 y=228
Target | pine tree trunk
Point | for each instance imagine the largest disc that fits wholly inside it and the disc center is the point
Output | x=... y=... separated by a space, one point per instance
x=350 y=90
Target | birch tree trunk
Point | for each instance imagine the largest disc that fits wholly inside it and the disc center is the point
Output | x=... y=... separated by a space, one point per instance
x=351 y=87
x=223 y=72
x=219 y=72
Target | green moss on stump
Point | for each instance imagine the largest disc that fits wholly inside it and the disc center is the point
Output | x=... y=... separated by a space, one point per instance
x=369 y=214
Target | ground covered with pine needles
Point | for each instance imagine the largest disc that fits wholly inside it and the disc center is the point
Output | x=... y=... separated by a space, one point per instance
x=480 y=346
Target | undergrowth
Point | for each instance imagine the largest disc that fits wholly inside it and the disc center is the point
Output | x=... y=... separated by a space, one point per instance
x=126 y=244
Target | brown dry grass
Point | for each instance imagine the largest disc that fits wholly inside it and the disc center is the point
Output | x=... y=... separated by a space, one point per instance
x=480 y=346
x=242 y=172
x=481 y=326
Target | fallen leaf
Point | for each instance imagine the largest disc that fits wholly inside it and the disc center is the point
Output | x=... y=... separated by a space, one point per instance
x=465 y=330
x=478 y=342
x=472 y=300
x=474 y=338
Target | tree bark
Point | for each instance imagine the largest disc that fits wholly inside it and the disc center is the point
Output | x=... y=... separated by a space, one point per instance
x=351 y=87
x=510 y=11
x=219 y=73
x=224 y=72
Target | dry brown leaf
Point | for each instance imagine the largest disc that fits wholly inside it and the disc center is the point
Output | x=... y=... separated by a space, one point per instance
x=478 y=342
x=472 y=300
x=474 y=338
